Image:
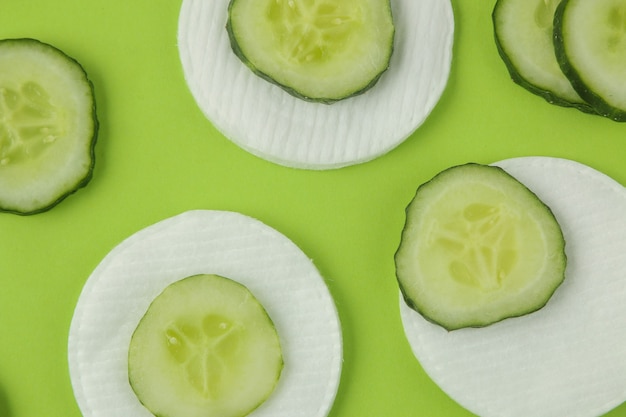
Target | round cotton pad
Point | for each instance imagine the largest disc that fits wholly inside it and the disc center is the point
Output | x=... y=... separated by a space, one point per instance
x=568 y=358
x=270 y=123
x=282 y=278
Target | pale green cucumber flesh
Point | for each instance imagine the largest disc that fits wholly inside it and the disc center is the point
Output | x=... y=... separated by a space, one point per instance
x=206 y=347
x=48 y=126
x=590 y=44
x=317 y=50
x=523 y=31
x=478 y=247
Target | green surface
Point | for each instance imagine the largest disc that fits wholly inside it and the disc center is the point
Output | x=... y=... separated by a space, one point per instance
x=158 y=156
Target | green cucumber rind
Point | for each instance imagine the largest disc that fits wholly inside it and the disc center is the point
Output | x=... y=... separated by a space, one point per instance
x=80 y=182
x=234 y=44
x=548 y=95
x=599 y=105
x=411 y=303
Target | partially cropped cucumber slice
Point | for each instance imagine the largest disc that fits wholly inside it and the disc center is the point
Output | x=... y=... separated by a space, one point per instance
x=523 y=33
x=590 y=43
x=478 y=247
x=205 y=347
x=319 y=50
x=568 y=358
x=48 y=126
x=272 y=124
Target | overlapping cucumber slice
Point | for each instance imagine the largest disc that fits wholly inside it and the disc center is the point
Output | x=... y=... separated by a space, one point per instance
x=523 y=32
x=571 y=52
x=590 y=44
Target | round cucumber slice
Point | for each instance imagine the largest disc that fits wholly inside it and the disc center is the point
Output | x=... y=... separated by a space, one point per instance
x=566 y=359
x=205 y=347
x=48 y=126
x=320 y=50
x=590 y=45
x=282 y=278
x=478 y=247
x=524 y=37
x=270 y=123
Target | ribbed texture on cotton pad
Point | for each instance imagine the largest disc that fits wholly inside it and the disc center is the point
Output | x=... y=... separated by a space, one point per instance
x=268 y=122
x=567 y=359
x=285 y=281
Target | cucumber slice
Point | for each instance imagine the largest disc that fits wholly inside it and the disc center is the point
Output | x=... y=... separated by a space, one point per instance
x=205 y=347
x=48 y=126
x=317 y=50
x=590 y=44
x=523 y=32
x=272 y=124
x=282 y=278
x=566 y=359
x=478 y=247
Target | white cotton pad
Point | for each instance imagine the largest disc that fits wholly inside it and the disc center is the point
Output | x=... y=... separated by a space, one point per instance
x=270 y=123
x=569 y=358
x=282 y=278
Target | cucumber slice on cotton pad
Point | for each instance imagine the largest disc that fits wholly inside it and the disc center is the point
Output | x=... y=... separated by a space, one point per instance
x=270 y=123
x=274 y=269
x=478 y=247
x=320 y=50
x=566 y=359
x=206 y=347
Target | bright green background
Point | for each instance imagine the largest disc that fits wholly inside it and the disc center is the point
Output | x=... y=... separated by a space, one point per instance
x=158 y=156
